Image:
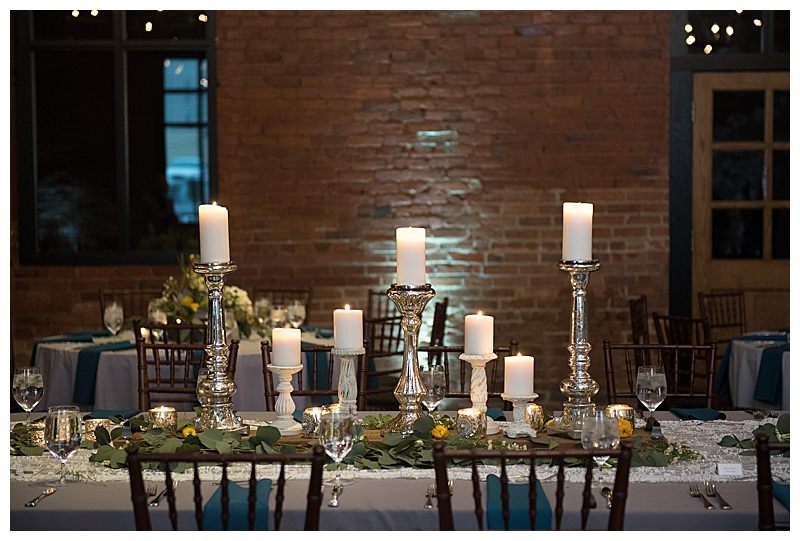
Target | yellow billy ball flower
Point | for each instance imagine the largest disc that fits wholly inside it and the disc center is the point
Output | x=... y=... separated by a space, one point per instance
x=439 y=431
x=188 y=431
x=625 y=428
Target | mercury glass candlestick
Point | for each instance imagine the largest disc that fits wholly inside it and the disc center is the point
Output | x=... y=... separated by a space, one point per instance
x=579 y=387
x=410 y=301
x=348 y=384
x=284 y=406
x=217 y=389
x=519 y=427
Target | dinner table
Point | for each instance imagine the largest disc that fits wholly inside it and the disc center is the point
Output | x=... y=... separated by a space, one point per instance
x=756 y=369
x=394 y=499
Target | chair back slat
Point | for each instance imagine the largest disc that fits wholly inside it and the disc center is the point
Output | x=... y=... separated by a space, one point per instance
x=198 y=500
x=681 y=330
x=640 y=331
x=225 y=497
x=284 y=296
x=170 y=487
x=379 y=305
x=476 y=494
x=504 y=494
x=134 y=301
x=532 y=495
x=304 y=387
x=279 y=497
x=725 y=312
x=587 y=494
x=766 y=506
x=251 y=498
x=314 y=496
x=559 y=493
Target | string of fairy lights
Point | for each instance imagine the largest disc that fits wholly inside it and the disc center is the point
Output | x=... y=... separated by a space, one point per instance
x=148 y=25
x=717 y=32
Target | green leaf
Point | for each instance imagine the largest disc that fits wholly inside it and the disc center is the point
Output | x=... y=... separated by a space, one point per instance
x=423 y=427
x=367 y=463
x=289 y=449
x=102 y=436
x=268 y=434
x=729 y=441
x=31 y=451
x=783 y=424
x=170 y=445
x=103 y=453
x=209 y=438
x=186 y=421
x=116 y=433
x=392 y=438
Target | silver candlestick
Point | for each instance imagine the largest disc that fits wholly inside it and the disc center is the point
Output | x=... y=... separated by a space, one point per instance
x=348 y=385
x=579 y=387
x=215 y=393
x=410 y=301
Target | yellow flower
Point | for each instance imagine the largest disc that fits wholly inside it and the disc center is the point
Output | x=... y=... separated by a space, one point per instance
x=188 y=431
x=439 y=431
x=625 y=428
x=188 y=302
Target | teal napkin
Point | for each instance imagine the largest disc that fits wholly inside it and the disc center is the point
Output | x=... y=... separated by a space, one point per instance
x=82 y=336
x=781 y=493
x=324 y=333
x=86 y=373
x=322 y=377
x=238 y=507
x=518 y=506
x=721 y=381
x=107 y=414
x=697 y=414
x=769 y=381
x=496 y=414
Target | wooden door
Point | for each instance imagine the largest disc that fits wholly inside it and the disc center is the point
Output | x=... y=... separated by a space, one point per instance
x=740 y=234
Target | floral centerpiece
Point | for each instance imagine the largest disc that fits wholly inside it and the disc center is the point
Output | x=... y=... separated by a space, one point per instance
x=186 y=297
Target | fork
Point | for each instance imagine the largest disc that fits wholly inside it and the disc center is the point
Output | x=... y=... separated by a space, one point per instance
x=429 y=496
x=711 y=490
x=694 y=492
x=154 y=502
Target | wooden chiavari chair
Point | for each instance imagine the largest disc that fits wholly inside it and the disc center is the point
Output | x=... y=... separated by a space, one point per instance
x=285 y=296
x=681 y=330
x=134 y=301
x=171 y=333
x=766 y=506
x=438 y=328
x=384 y=340
x=640 y=329
x=379 y=305
x=315 y=356
x=725 y=313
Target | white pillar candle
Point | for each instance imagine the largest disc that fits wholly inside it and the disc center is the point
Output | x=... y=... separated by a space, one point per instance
x=348 y=328
x=519 y=375
x=478 y=334
x=411 y=256
x=286 y=347
x=214 y=234
x=577 y=234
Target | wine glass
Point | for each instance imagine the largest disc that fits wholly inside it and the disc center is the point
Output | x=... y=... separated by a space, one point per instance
x=156 y=316
x=112 y=317
x=277 y=315
x=296 y=313
x=262 y=308
x=28 y=388
x=62 y=434
x=651 y=387
x=435 y=387
x=336 y=436
x=599 y=431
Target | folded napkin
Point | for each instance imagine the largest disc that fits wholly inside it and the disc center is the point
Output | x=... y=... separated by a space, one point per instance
x=496 y=414
x=518 y=498
x=324 y=333
x=721 y=381
x=769 y=381
x=107 y=414
x=86 y=373
x=322 y=376
x=697 y=414
x=82 y=336
x=238 y=507
x=124 y=336
x=781 y=493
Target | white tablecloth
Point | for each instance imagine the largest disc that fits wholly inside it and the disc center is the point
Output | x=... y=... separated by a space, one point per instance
x=743 y=374
x=117 y=376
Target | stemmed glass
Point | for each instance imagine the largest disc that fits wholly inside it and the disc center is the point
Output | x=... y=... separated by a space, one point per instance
x=435 y=387
x=28 y=388
x=112 y=317
x=336 y=436
x=262 y=309
x=156 y=316
x=651 y=387
x=296 y=313
x=277 y=316
x=599 y=431
x=62 y=434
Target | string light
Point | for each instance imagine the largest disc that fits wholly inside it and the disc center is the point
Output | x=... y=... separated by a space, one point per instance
x=757 y=22
x=688 y=28
x=708 y=48
x=94 y=13
x=75 y=12
x=203 y=18
x=714 y=28
x=148 y=26
x=729 y=30
x=690 y=39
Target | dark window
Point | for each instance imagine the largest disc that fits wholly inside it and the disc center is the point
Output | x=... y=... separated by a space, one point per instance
x=116 y=129
x=737 y=233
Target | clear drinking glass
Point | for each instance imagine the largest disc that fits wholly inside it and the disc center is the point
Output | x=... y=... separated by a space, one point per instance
x=277 y=316
x=62 y=434
x=262 y=309
x=28 y=388
x=156 y=316
x=435 y=387
x=296 y=312
x=600 y=431
x=336 y=436
x=113 y=317
x=651 y=386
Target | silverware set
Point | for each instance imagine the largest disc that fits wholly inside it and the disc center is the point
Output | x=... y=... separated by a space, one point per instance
x=607 y=492
x=45 y=493
x=150 y=490
x=431 y=493
x=711 y=491
x=335 y=493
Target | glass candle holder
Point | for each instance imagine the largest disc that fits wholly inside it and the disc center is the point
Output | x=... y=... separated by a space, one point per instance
x=333 y=408
x=90 y=425
x=310 y=421
x=163 y=417
x=37 y=434
x=471 y=423
x=534 y=416
x=622 y=411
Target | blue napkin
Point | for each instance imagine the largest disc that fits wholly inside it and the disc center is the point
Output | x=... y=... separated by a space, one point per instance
x=781 y=493
x=107 y=414
x=518 y=497
x=238 y=507
x=721 y=381
x=324 y=333
x=322 y=376
x=82 y=336
x=697 y=414
x=86 y=373
x=496 y=414
x=770 y=374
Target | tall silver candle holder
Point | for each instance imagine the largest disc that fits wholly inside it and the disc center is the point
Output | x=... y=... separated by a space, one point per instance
x=215 y=393
x=348 y=385
x=478 y=386
x=579 y=387
x=410 y=301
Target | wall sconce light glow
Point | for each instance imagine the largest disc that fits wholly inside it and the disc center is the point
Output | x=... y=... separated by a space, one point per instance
x=148 y=26
x=729 y=30
x=688 y=28
x=94 y=13
x=757 y=22
x=714 y=28
x=203 y=18
x=75 y=12
x=690 y=39
x=708 y=48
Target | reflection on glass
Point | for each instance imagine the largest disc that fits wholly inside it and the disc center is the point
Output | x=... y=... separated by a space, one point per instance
x=780 y=174
x=738 y=115
x=63 y=24
x=711 y=28
x=738 y=176
x=780 y=233
x=781 y=118
x=737 y=233
x=781 y=19
x=167 y=24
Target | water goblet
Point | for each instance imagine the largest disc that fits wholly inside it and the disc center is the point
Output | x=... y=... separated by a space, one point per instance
x=651 y=388
x=435 y=387
x=262 y=309
x=62 y=435
x=336 y=435
x=296 y=312
x=277 y=316
x=599 y=431
x=113 y=317
x=28 y=388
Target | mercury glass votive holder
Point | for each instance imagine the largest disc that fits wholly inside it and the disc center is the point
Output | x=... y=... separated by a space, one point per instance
x=37 y=434
x=534 y=416
x=310 y=421
x=164 y=417
x=332 y=408
x=471 y=423
x=621 y=411
x=90 y=425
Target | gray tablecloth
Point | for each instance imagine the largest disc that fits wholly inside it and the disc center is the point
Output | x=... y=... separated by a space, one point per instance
x=743 y=374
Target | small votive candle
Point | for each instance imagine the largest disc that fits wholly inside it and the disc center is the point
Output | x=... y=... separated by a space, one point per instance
x=621 y=411
x=37 y=434
x=310 y=421
x=164 y=417
x=90 y=425
x=471 y=423
x=331 y=408
x=534 y=416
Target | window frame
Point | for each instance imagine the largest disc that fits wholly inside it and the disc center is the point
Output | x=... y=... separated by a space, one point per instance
x=25 y=47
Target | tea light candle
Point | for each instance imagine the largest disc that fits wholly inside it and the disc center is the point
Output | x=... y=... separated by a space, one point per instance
x=286 y=347
x=90 y=425
x=348 y=328
x=471 y=423
x=518 y=375
x=163 y=417
x=622 y=411
x=331 y=408
x=577 y=233
x=214 y=246
x=37 y=434
x=534 y=416
x=478 y=334
x=310 y=421
x=410 y=256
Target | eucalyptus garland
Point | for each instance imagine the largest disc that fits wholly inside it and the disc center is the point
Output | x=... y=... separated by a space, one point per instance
x=778 y=432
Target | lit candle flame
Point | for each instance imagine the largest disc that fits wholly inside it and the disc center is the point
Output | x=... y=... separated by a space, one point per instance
x=347 y=307
x=480 y=312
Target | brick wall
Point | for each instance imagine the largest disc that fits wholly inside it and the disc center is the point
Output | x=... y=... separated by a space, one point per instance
x=336 y=128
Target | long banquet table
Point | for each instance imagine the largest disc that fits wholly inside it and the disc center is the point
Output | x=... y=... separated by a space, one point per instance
x=393 y=499
x=745 y=363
